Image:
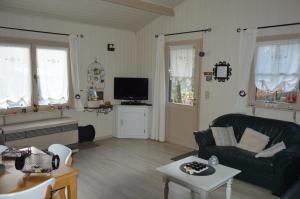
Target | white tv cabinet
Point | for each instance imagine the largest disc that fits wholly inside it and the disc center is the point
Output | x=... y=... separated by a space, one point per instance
x=132 y=121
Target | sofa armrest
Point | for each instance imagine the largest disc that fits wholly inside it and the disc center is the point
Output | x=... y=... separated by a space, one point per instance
x=286 y=157
x=292 y=193
x=292 y=152
x=286 y=169
x=204 y=138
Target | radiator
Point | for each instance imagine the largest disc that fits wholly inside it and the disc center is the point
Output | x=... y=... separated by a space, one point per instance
x=42 y=134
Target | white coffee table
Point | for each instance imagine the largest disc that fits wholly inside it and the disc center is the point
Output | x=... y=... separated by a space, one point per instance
x=202 y=185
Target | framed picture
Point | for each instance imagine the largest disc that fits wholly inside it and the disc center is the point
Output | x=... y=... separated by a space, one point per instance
x=222 y=71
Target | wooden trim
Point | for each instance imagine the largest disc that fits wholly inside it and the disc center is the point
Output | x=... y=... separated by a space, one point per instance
x=100 y=138
x=36 y=42
x=185 y=42
x=278 y=37
x=198 y=45
x=146 y=6
x=48 y=192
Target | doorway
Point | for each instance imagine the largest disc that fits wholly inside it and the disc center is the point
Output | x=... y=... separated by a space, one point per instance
x=183 y=91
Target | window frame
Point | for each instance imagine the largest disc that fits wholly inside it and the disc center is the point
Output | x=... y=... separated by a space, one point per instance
x=252 y=88
x=197 y=44
x=34 y=44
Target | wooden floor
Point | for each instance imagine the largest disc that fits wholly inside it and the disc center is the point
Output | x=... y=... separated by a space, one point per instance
x=125 y=169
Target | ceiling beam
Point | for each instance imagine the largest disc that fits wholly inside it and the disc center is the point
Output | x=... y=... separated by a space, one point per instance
x=146 y=6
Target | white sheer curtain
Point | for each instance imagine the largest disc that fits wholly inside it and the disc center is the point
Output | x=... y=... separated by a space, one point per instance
x=15 y=76
x=52 y=70
x=277 y=65
x=181 y=72
x=74 y=55
x=159 y=95
x=182 y=61
x=247 y=46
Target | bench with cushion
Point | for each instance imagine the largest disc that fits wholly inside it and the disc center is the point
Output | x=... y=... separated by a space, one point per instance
x=276 y=173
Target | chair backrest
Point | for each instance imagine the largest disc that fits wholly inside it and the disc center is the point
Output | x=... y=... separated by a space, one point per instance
x=62 y=151
x=37 y=192
x=2 y=148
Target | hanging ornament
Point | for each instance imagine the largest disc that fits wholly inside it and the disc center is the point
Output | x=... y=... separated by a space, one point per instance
x=96 y=75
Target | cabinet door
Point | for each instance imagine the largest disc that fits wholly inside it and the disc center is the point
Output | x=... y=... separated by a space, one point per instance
x=132 y=123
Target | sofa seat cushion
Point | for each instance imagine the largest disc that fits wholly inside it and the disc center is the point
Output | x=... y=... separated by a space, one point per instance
x=238 y=158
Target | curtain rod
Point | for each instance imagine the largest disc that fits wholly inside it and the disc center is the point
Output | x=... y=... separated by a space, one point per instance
x=188 y=32
x=37 y=31
x=273 y=26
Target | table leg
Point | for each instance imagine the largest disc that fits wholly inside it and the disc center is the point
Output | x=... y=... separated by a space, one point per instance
x=166 y=189
x=72 y=188
x=228 y=189
x=193 y=194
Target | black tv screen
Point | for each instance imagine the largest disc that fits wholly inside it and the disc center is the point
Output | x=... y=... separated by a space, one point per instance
x=131 y=88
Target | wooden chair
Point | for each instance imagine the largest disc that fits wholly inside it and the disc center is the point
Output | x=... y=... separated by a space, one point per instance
x=64 y=154
x=62 y=151
x=41 y=191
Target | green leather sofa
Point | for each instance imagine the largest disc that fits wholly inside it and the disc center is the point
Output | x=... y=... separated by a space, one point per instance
x=293 y=193
x=277 y=173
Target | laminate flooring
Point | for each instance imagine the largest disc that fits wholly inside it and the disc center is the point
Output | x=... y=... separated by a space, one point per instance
x=125 y=169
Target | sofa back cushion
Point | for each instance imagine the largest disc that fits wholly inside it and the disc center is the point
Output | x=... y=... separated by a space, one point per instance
x=277 y=130
x=224 y=136
x=253 y=141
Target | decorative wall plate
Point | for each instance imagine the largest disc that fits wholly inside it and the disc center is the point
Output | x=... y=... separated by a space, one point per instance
x=222 y=71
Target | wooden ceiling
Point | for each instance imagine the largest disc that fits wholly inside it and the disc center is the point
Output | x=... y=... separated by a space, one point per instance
x=122 y=14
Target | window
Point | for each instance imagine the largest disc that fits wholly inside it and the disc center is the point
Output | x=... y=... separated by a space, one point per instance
x=276 y=72
x=52 y=73
x=33 y=72
x=181 y=75
x=15 y=76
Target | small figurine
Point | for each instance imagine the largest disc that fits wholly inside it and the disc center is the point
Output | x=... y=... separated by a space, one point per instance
x=51 y=107
x=35 y=108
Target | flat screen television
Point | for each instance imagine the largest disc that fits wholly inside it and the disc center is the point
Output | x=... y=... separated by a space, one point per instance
x=126 y=88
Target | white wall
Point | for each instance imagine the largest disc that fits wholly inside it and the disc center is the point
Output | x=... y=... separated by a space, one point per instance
x=224 y=17
x=135 y=53
x=122 y=62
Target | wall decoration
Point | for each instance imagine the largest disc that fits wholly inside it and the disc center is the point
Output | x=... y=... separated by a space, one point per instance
x=96 y=83
x=202 y=54
x=96 y=75
x=111 y=47
x=242 y=93
x=222 y=71
x=35 y=108
x=208 y=76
